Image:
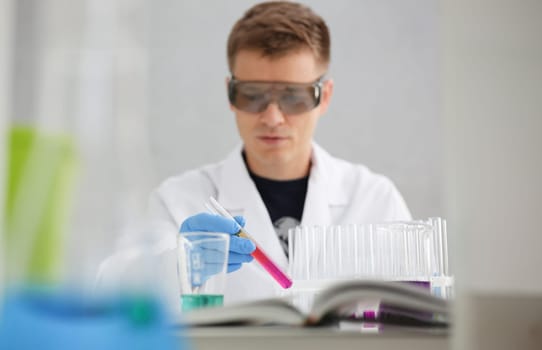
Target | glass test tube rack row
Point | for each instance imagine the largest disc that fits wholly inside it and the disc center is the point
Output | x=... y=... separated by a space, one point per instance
x=399 y=251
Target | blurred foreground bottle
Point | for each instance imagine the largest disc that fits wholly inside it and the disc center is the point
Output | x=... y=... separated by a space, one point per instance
x=40 y=182
x=41 y=169
x=76 y=179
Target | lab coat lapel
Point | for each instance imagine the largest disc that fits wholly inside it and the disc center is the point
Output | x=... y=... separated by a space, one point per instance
x=319 y=192
x=239 y=195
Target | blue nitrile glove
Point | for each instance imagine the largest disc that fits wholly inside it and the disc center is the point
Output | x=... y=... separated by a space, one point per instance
x=240 y=248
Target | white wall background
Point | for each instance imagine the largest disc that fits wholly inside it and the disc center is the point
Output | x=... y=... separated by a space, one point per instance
x=385 y=109
x=6 y=35
x=492 y=102
x=493 y=110
x=80 y=67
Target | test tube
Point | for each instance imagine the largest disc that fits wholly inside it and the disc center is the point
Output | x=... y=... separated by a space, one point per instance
x=259 y=255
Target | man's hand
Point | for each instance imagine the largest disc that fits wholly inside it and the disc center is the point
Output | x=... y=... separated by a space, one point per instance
x=240 y=248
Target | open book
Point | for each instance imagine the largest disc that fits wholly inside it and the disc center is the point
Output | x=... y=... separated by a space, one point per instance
x=400 y=304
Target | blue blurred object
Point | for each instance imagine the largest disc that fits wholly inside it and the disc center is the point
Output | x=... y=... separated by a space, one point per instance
x=240 y=248
x=38 y=319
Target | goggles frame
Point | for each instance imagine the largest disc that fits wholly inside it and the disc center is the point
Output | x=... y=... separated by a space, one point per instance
x=276 y=94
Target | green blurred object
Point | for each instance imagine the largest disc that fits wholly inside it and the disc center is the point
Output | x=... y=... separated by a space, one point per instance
x=41 y=169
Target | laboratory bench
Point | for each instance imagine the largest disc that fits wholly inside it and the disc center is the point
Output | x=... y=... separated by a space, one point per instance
x=285 y=338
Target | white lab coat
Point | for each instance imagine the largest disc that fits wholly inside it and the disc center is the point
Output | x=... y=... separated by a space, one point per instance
x=338 y=192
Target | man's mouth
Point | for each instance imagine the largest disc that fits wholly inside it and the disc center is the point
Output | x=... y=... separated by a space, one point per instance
x=272 y=139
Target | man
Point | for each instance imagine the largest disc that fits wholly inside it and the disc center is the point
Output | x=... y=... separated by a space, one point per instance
x=278 y=55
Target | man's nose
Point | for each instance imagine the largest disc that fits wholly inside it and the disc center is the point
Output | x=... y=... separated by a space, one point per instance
x=272 y=115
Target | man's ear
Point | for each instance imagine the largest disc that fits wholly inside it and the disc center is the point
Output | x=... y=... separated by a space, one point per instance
x=327 y=93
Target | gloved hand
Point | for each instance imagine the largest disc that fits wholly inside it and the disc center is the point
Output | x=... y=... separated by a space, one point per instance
x=240 y=248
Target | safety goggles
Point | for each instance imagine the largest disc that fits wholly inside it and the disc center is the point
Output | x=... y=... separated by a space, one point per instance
x=291 y=98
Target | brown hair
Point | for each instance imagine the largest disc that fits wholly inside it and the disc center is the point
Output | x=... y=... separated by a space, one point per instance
x=277 y=28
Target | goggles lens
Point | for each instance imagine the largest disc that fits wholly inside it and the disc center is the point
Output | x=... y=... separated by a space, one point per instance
x=292 y=98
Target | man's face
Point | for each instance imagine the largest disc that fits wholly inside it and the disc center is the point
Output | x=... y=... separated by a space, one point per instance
x=272 y=138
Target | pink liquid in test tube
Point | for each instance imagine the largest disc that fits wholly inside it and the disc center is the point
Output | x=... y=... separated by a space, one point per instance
x=269 y=265
x=258 y=254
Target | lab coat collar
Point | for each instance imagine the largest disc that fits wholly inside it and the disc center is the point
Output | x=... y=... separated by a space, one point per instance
x=326 y=172
x=324 y=190
x=239 y=195
x=237 y=190
x=235 y=184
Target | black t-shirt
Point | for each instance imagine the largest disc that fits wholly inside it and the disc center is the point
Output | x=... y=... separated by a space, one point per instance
x=284 y=201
